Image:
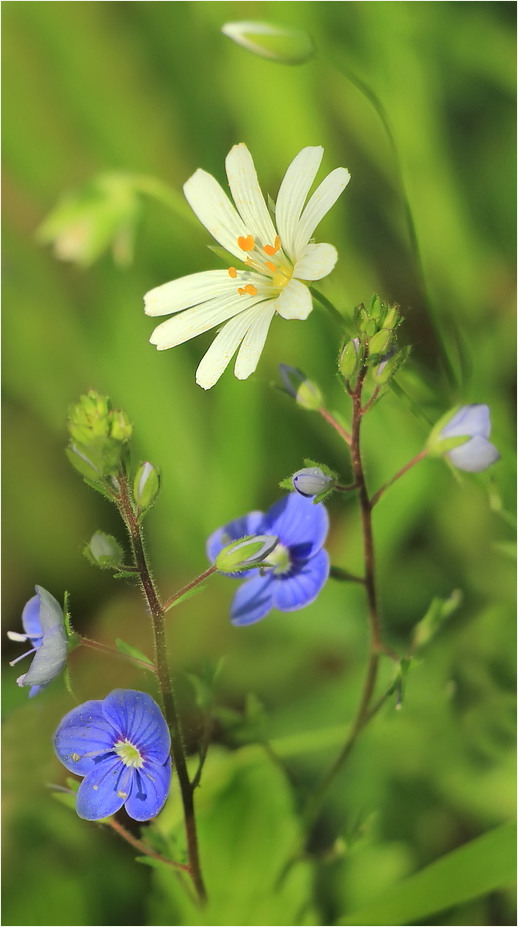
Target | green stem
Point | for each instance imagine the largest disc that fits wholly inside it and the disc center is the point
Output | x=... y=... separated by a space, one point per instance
x=166 y=688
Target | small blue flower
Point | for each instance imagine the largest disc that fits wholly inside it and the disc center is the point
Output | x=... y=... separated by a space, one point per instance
x=44 y=626
x=121 y=746
x=301 y=565
x=477 y=453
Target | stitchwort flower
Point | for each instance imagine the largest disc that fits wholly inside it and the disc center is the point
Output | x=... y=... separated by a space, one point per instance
x=473 y=423
x=276 y=261
x=300 y=567
x=121 y=746
x=44 y=626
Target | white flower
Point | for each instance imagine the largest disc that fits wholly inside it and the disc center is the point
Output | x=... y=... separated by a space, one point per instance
x=278 y=261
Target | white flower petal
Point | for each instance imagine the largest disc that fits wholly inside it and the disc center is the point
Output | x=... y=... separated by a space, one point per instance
x=292 y=195
x=253 y=342
x=188 y=291
x=200 y=319
x=214 y=210
x=222 y=349
x=320 y=203
x=294 y=302
x=315 y=262
x=249 y=200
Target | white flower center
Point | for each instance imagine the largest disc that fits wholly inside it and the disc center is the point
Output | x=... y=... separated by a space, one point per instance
x=268 y=260
x=129 y=754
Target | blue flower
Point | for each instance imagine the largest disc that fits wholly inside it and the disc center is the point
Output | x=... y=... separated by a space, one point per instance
x=477 y=453
x=121 y=746
x=44 y=626
x=300 y=565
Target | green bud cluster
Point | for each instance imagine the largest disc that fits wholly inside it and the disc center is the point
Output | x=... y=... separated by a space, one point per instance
x=99 y=437
x=374 y=344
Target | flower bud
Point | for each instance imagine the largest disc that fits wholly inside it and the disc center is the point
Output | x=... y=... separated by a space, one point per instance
x=380 y=342
x=146 y=485
x=350 y=359
x=104 y=551
x=103 y=213
x=462 y=435
x=245 y=553
x=303 y=391
x=278 y=43
x=99 y=437
x=312 y=481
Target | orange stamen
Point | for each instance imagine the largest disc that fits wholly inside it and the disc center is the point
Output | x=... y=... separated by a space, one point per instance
x=271 y=266
x=249 y=290
x=272 y=249
x=232 y=272
x=246 y=244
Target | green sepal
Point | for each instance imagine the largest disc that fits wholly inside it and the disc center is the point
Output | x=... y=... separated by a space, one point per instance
x=392 y=365
x=73 y=638
x=129 y=651
x=104 y=551
x=438 y=446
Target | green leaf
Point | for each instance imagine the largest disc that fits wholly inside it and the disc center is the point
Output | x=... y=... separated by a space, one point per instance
x=485 y=864
x=187 y=595
x=129 y=651
x=438 y=612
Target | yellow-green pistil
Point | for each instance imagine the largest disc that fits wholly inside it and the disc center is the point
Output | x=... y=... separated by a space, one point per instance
x=280 y=559
x=129 y=754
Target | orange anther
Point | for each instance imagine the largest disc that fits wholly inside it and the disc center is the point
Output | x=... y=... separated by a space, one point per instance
x=271 y=266
x=272 y=249
x=246 y=244
x=251 y=289
x=232 y=272
x=241 y=290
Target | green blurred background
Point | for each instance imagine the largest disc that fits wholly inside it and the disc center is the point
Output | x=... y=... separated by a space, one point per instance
x=155 y=88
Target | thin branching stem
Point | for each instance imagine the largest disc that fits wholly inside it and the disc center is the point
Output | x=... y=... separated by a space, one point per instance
x=156 y=612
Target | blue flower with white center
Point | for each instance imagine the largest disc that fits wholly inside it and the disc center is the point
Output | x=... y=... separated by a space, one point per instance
x=121 y=746
x=44 y=626
x=474 y=424
x=298 y=566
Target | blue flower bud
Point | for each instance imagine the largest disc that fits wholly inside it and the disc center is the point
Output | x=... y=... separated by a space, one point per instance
x=312 y=481
x=303 y=391
x=462 y=435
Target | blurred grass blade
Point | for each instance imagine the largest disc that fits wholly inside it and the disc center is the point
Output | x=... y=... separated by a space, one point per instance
x=481 y=866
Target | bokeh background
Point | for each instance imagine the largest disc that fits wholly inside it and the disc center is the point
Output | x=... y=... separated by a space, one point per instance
x=155 y=89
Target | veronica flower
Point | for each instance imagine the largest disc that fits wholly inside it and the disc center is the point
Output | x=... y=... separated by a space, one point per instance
x=44 y=626
x=275 y=261
x=476 y=453
x=299 y=567
x=121 y=746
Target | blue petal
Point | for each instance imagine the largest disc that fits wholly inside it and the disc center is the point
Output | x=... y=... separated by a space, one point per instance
x=104 y=790
x=31 y=620
x=253 y=600
x=150 y=788
x=302 y=585
x=469 y=420
x=299 y=525
x=84 y=733
x=135 y=716
x=234 y=531
x=49 y=659
x=474 y=455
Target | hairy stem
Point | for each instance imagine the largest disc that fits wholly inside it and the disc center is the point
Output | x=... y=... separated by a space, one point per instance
x=156 y=611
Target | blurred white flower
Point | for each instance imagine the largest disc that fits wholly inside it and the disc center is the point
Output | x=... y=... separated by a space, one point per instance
x=279 y=260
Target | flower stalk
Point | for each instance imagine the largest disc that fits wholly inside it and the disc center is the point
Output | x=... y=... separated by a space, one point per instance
x=156 y=611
